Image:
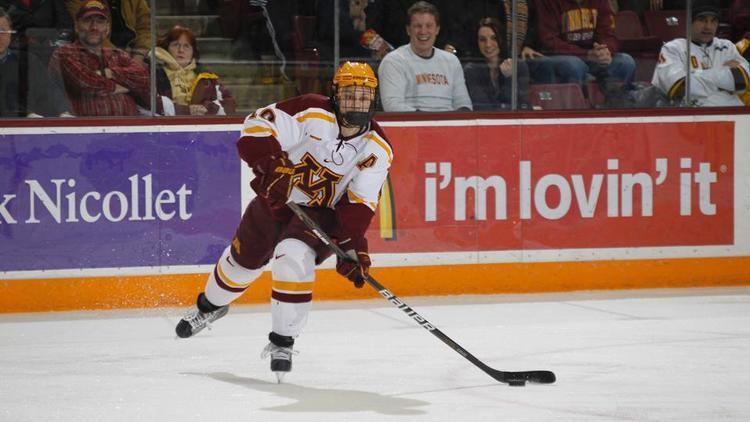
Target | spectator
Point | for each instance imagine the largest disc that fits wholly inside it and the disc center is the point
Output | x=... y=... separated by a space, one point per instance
x=178 y=78
x=541 y=70
x=25 y=90
x=419 y=77
x=40 y=23
x=717 y=70
x=100 y=81
x=42 y=26
x=130 y=22
x=10 y=80
x=579 y=39
x=490 y=82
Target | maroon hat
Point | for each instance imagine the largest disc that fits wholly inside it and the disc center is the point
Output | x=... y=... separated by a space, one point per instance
x=93 y=7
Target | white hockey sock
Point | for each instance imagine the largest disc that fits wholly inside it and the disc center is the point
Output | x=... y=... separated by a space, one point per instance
x=293 y=271
x=288 y=319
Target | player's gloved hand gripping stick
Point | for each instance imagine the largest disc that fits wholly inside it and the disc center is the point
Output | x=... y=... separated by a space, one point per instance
x=511 y=378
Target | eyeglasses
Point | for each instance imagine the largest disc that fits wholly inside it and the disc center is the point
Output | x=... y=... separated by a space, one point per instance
x=7 y=31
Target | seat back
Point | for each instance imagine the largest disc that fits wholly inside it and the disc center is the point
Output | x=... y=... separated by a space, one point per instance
x=631 y=37
x=628 y=25
x=666 y=24
x=567 y=96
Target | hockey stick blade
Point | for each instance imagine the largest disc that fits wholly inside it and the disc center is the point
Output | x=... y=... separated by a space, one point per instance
x=511 y=378
x=521 y=377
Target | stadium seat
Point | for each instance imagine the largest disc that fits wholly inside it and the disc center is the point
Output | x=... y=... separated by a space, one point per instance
x=666 y=25
x=557 y=97
x=630 y=35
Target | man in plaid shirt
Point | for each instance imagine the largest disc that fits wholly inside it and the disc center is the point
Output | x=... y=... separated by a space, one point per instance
x=99 y=81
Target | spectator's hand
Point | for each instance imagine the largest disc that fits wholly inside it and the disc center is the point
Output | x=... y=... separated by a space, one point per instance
x=119 y=89
x=379 y=53
x=600 y=54
x=198 y=110
x=733 y=63
x=657 y=4
x=528 y=53
x=140 y=59
x=108 y=73
x=506 y=67
x=450 y=48
x=356 y=269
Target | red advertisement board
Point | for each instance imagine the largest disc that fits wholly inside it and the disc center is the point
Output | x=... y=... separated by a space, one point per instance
x=545 y=186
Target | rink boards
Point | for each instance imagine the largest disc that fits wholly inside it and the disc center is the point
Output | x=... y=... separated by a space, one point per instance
x=135 y=216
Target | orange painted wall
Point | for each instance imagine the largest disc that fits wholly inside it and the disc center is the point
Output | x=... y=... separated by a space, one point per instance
x=91 y=293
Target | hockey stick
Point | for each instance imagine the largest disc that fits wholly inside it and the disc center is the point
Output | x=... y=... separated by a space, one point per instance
x=511 y=378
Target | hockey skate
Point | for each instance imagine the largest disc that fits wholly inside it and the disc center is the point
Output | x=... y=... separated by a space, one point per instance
x=281 y=356
x=199 y=317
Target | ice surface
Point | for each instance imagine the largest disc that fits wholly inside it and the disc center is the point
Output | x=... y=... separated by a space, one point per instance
x=652 y=355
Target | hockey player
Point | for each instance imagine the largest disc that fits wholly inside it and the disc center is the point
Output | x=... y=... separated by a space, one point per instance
x=326 y=154
x=718 y=73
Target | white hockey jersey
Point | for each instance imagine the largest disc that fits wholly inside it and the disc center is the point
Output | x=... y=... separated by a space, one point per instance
x=711 y=82
x=326 y=166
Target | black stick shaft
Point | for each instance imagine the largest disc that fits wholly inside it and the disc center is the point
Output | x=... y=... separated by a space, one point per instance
x=544 y=377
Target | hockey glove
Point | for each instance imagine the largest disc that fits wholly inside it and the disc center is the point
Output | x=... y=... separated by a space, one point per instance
x=356 y=269
x=273 y=177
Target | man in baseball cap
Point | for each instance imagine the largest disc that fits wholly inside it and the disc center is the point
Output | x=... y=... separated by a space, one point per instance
x=100 y=81
x=718 y=73
x=93 y=24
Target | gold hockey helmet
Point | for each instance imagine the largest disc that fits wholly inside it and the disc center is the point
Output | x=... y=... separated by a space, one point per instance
x=355 y=73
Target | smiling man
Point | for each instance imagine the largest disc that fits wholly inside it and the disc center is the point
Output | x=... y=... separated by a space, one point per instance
x=419 y=77
x=718 y=73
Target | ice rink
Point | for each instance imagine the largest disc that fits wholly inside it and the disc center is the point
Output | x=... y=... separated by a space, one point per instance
x=650 y=355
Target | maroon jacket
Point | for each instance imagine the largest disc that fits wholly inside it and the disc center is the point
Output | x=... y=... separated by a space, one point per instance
x=566 y=28
x=89 y=91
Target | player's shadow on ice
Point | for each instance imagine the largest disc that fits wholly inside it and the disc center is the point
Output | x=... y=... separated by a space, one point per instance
x=310 y=399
